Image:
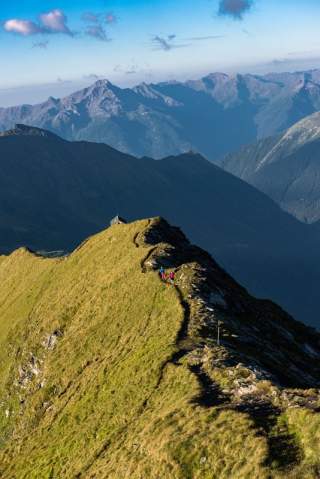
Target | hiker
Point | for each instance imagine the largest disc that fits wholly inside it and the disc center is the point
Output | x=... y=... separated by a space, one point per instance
x=162 y=274
x=172 y=277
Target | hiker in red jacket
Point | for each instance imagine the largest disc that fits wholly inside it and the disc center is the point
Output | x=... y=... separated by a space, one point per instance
x=172 y=277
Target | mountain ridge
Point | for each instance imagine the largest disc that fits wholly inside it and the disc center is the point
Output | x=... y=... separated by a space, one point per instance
x=213 y=115
x=91 y=382
x=285 y=167
x=56 y=193
x=21 y=129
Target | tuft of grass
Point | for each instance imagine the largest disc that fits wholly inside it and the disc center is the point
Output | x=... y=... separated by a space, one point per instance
x=305 y=425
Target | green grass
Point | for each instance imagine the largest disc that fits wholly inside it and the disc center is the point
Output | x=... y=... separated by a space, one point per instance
x=106 y=402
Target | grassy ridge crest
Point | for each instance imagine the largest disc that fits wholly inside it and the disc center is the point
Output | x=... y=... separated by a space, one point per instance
x=95 y=383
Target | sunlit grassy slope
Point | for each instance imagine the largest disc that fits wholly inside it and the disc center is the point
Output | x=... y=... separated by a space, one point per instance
x=87 y=387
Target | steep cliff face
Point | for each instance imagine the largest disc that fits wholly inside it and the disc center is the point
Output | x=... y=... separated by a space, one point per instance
x=110 y=372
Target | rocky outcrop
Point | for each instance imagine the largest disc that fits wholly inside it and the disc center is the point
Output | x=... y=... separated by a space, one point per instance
x=248 y=355
x=257 y=334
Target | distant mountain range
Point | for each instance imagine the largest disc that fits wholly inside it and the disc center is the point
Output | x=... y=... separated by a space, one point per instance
x=285 y=167
x=55 y=193
x=214 y=115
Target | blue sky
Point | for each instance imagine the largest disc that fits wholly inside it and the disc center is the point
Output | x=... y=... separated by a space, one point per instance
x=56 y=46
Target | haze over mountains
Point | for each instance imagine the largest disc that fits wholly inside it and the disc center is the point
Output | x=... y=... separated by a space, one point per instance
x=285 y=167
x=54 y=193
x=214 y=115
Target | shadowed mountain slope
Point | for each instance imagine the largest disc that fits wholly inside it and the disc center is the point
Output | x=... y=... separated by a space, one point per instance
x=55 y=193
x=287 y=168
x=107 y=372
x=214 y=115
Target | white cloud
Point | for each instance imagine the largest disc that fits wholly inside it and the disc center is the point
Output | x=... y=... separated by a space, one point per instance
x=22 y=27
x=55 y=21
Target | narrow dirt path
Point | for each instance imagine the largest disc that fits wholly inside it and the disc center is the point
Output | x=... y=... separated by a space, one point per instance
x=210 y=394
x=283 y=449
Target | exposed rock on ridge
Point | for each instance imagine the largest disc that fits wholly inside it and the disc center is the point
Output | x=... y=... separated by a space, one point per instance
x=253 y=332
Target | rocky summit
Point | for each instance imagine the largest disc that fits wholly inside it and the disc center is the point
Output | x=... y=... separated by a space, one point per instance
x=109 y=371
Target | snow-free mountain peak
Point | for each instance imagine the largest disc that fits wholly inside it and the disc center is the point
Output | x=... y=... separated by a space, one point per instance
x=214 y=115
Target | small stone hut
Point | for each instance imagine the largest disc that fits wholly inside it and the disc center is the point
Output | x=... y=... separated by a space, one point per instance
x=118 y=220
